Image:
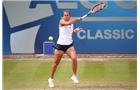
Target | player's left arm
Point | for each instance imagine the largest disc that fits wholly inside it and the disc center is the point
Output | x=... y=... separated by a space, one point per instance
x=76 y=30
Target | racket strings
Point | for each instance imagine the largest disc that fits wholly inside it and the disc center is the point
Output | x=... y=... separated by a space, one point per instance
x=98 y=8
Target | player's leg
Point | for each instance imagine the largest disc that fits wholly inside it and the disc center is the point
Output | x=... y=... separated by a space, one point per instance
x=57 y=57
x=72 y=54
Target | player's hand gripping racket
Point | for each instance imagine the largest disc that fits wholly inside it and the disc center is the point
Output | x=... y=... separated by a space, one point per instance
x=95 y=9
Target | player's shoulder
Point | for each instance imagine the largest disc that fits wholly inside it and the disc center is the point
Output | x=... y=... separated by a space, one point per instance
x=61 y=21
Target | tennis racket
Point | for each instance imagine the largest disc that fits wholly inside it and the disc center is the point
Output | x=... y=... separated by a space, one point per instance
x=96 y=8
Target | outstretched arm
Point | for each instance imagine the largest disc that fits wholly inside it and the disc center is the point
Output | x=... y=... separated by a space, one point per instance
x=63 y=22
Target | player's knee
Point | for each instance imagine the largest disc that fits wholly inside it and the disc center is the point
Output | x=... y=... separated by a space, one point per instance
x=56 y=63
x=74 y=59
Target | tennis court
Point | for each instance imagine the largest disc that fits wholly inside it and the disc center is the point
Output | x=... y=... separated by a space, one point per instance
x=93 y=74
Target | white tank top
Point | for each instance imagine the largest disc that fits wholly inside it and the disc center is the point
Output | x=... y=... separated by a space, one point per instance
x=65 y=35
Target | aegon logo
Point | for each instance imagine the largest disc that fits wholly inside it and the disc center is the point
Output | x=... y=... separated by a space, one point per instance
x=106 y=34
x=89 y=5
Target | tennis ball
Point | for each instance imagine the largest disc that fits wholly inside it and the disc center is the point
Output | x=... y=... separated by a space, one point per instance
x=50 y=38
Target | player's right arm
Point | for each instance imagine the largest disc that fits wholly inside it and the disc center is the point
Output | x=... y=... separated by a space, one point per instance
x=63 y=22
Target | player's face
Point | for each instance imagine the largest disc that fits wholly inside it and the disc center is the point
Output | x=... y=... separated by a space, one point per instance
x=66 y=16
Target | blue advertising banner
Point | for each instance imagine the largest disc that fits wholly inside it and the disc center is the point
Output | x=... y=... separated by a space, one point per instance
x=27 y=24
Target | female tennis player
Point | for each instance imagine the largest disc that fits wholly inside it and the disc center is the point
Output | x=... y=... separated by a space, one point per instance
x=65 y=45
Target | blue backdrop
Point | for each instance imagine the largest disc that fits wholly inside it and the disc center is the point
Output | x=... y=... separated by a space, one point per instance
x=27 y=24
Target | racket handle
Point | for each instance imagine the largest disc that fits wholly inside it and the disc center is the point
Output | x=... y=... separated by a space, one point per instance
x=84 y=16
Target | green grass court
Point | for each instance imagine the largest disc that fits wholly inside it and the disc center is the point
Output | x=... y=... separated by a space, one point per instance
x=109 y=74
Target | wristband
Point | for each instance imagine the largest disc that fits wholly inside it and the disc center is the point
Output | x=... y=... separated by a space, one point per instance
x=75 y=31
